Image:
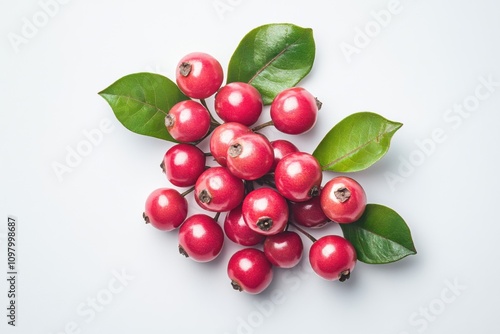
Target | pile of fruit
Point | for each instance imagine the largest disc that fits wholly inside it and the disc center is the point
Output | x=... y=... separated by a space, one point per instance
x=267 y=189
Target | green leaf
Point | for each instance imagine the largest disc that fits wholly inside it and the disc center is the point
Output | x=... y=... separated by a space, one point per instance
x=140 y=102
x=273 y=57
x=356 y=142
x=379 y=236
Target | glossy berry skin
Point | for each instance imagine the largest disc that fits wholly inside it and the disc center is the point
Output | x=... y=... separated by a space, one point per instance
x=343 y=200
x=199 y=75
x=188 y=121
x=298 y=176
x=238 y=102
x=165 y=209
x=332 y=257
x=308 y=213
x=250 y=271
x=238 y=231
x=221 y=138
x=284 y=250
x=250 y=156
x=218 y=190
x=282 y=147
x=294 y=111
x=265 y=211
x=183 y=164
x=200 y=238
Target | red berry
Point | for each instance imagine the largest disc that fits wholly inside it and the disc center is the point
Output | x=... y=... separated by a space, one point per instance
x=200 y=238
x=284 y=250
x=265 y=211
x=332 y=257
x=222 y=136
x=238 y=102
x=188 y=121
x=308 y=213
x=294 y=111
x=282 y=147
x=165 y=209
x=298 y=176
x=250 y=271
x=183 y=164
x=238 y=231
x=343 y=200
x=218 y=190
x=250 y=156
x=199 y=75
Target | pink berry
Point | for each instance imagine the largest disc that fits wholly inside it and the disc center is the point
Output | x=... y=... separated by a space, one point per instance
x=250 y=271
x=238 y=231
x=200 y=238
x=199 y=75
x=282 y=147
x=284 y=250
x=188 y=121
x=308 y=213
x=343 y=200
x=265 y=211
x=183 y=164
x=222 y=136
x=165 y=209
x=298 y=176
x=238 y=102
x=250 y=156
x=332 y=257
x=294 y=111
x=218 y=190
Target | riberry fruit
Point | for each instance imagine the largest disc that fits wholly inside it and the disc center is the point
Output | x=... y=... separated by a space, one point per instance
x=199 y=75
x=200 y=238
x=343 y=200
x=165 y=209
x=188 y=121
x=218 y=190
x=249 y=271
x=332 y=257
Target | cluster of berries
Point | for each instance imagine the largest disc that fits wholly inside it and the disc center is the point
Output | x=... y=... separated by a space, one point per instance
x=263 y=186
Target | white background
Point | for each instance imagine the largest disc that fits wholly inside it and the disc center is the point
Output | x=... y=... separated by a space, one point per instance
x=79 y=232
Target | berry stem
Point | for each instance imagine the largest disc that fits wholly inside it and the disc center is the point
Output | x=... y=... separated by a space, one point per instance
x=216 y=217
x=213 y=121
x=310 y=237
x=184 y=194
x=262 y=126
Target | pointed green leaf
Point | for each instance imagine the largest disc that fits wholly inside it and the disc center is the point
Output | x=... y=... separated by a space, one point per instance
x=379 y=236
x=356 y=142
x=273 y=57
x=140 y=102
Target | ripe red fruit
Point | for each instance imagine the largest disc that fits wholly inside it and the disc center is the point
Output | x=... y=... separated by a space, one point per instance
x=343 y=200
x=250 y=156
x=218 y=190
x=282 y=147
x=332 y=257
x=199 y=75
x=188 y=121
x=308 y=213
x=183 y=164
x=165 y=209
x=200 y=238
x=238 y=231
x=284 y=250
x=250 y=271
x=222 y=136
x=238 y=102
x=298 y=176
x=265 y=211
x=294 y=111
